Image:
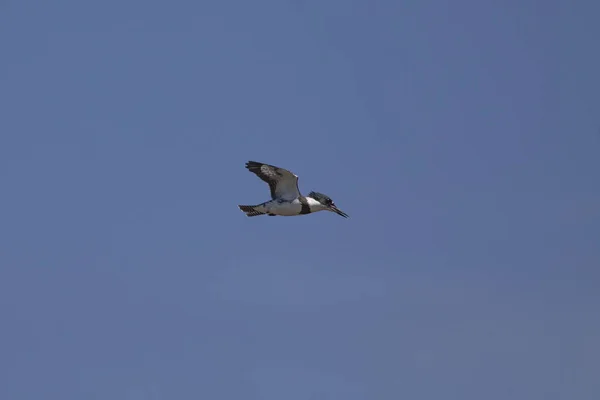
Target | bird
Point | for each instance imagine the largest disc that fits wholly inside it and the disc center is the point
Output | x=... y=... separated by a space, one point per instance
x=286 y=199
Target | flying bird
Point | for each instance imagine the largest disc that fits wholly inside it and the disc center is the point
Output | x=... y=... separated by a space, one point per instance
x=286 y=199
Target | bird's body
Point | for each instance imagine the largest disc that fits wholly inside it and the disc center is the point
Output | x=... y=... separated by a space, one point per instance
x=288 y=208
x=286 y=199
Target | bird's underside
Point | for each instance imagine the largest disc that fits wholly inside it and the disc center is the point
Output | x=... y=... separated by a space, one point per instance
x=277 y=207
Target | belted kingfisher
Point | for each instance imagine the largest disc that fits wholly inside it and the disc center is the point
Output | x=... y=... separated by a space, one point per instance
x=286 y=199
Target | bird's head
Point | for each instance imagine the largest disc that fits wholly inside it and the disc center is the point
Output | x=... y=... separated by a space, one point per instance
x=327 y=203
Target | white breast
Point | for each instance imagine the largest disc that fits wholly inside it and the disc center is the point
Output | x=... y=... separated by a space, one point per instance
x=285 y=208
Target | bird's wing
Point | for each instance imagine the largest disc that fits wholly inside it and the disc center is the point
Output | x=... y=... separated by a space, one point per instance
x=283 y=183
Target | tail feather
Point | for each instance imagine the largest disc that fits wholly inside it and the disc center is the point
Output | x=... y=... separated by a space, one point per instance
x=250 y=211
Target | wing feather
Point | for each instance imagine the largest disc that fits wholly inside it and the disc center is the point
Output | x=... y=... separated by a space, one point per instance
x=282 y=183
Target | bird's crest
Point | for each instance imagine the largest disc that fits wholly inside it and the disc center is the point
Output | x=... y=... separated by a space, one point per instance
x=321 y=198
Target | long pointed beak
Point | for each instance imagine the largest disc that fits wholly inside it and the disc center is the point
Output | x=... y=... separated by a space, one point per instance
x=339 y=212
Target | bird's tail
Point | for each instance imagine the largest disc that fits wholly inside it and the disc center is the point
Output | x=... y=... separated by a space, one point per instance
x=251 y=211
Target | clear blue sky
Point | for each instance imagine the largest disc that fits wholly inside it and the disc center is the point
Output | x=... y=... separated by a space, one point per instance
x=462 y=137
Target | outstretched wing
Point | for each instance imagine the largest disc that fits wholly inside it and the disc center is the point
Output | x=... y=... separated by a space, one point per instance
x=283 y=183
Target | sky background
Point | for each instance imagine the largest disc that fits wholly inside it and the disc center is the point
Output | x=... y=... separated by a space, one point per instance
x=462 y=137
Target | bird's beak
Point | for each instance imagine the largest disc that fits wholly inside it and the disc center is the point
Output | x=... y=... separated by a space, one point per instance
x=339 y=212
